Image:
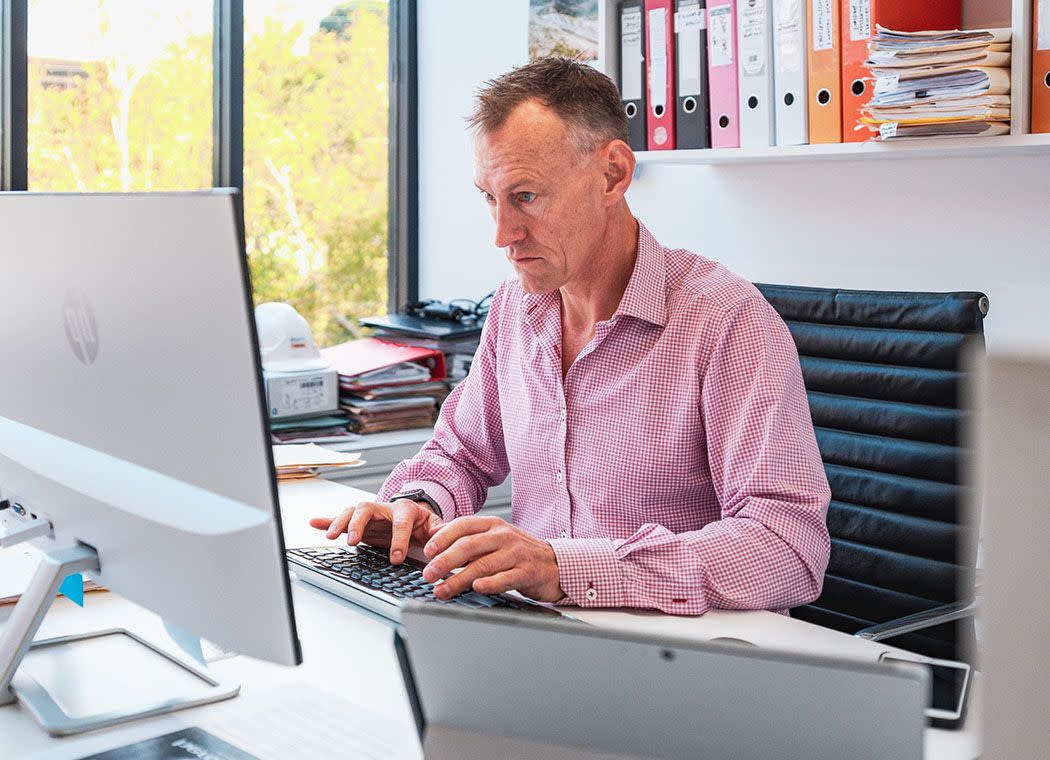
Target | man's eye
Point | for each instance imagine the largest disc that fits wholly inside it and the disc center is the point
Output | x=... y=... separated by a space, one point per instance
x=526 y=197
x=488 y=198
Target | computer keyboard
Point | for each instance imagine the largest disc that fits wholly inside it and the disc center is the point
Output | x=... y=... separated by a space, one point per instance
x=364 y=575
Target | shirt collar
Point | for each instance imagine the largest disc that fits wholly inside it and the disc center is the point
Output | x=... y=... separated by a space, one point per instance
x=646 y=294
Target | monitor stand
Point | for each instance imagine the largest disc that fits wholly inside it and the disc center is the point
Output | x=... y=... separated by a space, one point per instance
x=60 y=713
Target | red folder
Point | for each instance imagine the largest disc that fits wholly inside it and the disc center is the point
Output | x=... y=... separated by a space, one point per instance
x=659 y=73
x=858 y=19
x=356 y=357
x=1040 y=70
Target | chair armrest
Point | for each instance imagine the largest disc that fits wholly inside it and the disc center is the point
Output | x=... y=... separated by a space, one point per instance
x=917 y=622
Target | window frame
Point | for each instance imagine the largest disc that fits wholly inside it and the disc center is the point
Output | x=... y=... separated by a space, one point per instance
x=14 y=94
x=228 y=122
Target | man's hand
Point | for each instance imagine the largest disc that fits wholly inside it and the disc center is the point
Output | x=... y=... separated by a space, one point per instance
x=381 y=523
x=495 y=557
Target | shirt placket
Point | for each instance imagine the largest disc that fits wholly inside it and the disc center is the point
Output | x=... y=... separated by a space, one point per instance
x=566 y=392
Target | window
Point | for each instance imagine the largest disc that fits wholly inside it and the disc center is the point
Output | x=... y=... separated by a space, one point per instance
x=140 y=95
x=120 y=95
x=316 y=112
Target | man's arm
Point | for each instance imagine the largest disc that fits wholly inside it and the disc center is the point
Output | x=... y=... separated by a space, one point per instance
x=466 y=456
x=771 y=547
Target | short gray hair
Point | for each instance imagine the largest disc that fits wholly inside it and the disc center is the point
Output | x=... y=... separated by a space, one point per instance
x=583 y=97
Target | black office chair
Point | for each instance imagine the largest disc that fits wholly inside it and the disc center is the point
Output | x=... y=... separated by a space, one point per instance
x=882 y=371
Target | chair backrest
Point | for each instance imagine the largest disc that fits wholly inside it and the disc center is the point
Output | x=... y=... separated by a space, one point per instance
x=883 y=375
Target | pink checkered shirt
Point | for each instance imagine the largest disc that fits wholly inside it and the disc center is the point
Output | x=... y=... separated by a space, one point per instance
x=674 y=467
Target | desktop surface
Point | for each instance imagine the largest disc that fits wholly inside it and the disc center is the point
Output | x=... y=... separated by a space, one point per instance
x=333 y=630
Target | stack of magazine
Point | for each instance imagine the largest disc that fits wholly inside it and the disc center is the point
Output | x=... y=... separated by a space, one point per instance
x=939 y=84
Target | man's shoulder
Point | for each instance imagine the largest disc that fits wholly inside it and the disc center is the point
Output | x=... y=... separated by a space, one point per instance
x=696 y=284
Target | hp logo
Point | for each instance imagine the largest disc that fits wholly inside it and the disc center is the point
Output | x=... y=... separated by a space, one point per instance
x=81 y=327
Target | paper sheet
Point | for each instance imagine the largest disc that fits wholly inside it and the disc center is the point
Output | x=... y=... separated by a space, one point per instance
x=300 y=721
x=311 y=455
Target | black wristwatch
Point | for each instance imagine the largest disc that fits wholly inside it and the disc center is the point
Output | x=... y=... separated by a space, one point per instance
x=418 y=494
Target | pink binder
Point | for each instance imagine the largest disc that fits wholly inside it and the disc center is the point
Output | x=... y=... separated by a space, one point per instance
x=722 y=73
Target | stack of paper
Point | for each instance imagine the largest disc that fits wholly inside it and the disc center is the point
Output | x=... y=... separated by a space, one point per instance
x=939 y=84
x=328 y=428
x=295 y=462
x=385 y=385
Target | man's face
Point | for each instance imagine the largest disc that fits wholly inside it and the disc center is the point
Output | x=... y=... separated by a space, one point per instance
x=548 y=200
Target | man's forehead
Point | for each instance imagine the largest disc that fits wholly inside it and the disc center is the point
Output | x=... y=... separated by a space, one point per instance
x=532 y=137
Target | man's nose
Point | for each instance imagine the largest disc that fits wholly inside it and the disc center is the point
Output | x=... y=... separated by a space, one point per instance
x=510 y=228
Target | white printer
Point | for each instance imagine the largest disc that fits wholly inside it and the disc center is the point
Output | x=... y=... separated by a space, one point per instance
x=299 y=383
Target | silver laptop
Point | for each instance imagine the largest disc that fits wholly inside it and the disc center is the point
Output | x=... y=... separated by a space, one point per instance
x=485 y=684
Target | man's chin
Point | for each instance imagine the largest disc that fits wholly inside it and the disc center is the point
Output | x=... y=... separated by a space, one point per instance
x=534 y=287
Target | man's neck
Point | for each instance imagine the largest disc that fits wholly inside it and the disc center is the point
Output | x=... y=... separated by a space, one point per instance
x=595 y=297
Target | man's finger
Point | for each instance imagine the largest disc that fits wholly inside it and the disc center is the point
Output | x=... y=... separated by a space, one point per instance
x=453 y=531
x=465 y=550
x=362 y=516
x=321 y=523
x=482 y=567
x=404 y=520
x=508 y=580
x=338 y=524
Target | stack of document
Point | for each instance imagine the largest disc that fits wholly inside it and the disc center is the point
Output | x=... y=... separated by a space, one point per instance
x=295 y=462
x=385 y=385
x=939 y=84
x=394 y=412
x=459 y=351
x=328 y=428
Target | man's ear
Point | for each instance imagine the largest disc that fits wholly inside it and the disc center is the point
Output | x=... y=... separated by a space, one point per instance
x=618 y=162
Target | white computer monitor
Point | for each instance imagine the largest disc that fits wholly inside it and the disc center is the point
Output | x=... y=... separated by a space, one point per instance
x=132 y=415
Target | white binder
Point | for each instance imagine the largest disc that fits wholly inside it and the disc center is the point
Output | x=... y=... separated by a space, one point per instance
x=755 y=72
x=789 y=72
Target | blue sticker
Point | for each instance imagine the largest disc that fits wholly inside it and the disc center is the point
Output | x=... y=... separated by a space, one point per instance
x=73 y=588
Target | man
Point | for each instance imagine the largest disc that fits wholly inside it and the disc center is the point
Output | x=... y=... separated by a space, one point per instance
x=648 y=403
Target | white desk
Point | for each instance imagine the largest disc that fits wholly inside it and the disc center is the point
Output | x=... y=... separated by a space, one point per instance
x=332 y=630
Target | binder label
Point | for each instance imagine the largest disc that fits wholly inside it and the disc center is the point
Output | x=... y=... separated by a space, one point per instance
x=690 y=18
x=859 y=20
x=657 y=58
x=790 y=17
x=752 y=37
x=888 y=130
x=689 y=24
x=1044 y=24
x=720 y=35
x=631 y=54
x=822 y=26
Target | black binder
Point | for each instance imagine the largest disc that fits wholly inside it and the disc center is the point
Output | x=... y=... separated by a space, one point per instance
x=692 y=98
x=632 y=71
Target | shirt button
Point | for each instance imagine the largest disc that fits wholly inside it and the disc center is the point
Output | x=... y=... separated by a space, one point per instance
x=591 y=595
x=565 y=534
x=561 y=414
x=559 y=476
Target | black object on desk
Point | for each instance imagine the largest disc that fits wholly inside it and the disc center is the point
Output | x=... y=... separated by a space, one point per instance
x=408 y=324
x=189 y=743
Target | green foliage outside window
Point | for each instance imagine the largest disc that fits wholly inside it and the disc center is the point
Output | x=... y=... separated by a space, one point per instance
x=315 y=149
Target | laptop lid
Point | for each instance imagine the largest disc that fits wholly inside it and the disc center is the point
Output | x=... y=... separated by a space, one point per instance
x=493 y=682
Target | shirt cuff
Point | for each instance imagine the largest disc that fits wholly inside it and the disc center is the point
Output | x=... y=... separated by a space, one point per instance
x=589 y=572
x=441 y=495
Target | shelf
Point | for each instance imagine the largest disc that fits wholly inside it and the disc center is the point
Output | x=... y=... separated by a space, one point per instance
x=957 y=147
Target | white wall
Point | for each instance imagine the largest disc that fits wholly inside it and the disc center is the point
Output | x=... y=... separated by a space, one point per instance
x=932 y=224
